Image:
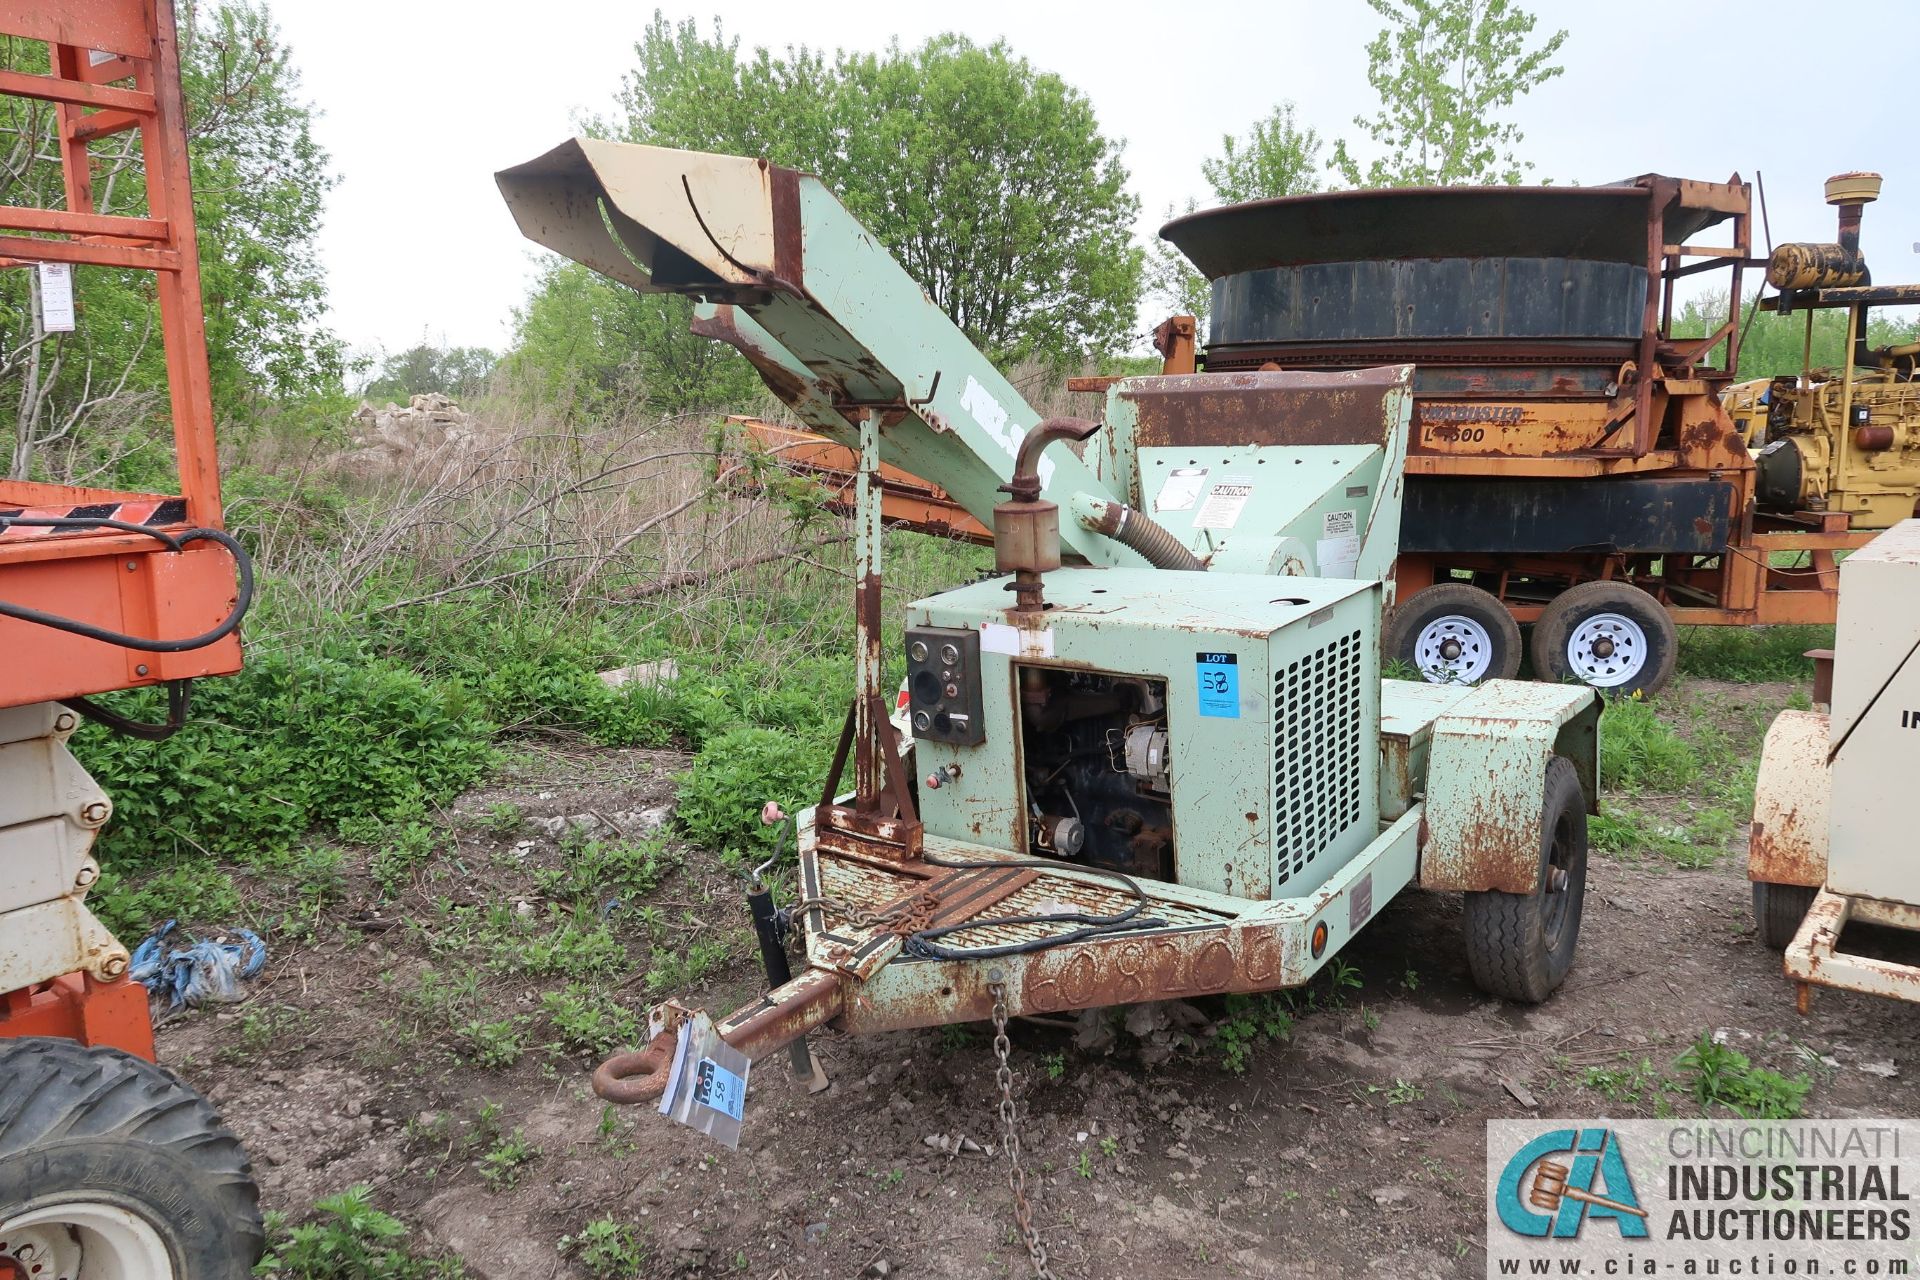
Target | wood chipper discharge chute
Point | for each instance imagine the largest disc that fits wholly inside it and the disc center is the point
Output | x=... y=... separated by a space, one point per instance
x=1155 y=757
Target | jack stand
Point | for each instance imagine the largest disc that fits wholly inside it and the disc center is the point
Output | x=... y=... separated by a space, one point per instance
x=773 y=956
x=882 y=810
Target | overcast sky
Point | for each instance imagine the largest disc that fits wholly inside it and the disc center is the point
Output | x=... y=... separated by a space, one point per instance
x=420 y=102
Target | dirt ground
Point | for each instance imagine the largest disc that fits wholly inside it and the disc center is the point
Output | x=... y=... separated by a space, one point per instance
x=1353 y=1147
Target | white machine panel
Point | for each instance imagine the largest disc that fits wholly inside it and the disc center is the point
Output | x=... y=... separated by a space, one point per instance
x=1872 y=851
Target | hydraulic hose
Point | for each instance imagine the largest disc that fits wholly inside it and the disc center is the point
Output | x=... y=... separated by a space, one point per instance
x=1136 y=530
x=175 y=542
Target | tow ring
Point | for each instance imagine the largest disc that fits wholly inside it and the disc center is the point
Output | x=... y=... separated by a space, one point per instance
x=637 y=1077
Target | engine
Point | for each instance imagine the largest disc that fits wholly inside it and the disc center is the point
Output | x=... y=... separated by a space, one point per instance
x=1210 y=730
x=1824 y=454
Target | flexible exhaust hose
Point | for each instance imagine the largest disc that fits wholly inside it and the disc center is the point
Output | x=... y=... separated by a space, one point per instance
x=1133 y=529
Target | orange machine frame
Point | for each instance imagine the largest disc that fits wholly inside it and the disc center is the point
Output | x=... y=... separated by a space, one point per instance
x=114 y=66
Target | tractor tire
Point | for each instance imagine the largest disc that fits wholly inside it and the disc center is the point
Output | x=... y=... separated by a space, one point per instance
x=1454 y=634
x=1520 y=945
x=109 y=1166
x=1778 y=911
x=1609 y=635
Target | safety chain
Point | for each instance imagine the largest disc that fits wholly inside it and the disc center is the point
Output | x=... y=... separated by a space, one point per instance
x=837 y=909
x=1010 y=1134
x=915 y=913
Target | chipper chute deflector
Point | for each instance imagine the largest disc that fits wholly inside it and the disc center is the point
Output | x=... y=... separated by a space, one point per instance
x=1156 y=756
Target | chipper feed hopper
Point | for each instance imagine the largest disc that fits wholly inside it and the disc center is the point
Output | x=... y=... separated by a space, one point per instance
x=1154 y=757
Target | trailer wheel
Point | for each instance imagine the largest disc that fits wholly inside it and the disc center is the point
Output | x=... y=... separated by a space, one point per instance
x=1606 y=634
x=1455 y=634
x=112 y=1169
x=1520 y=945
x=1778 y=911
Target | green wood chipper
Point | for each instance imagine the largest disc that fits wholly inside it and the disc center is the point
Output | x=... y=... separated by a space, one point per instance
x=1155 y=757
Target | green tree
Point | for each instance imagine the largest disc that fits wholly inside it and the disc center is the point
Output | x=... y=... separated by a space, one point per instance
x=990 y=181
x=1172 y=284
x=1276 y=157
x=591 y=346
x=1447 y=72
x=993 y=185
x=1774 y=344
x=91 y=404
x=424 y=367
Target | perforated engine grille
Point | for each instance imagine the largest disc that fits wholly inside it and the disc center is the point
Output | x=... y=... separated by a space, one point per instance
x=1316 y=753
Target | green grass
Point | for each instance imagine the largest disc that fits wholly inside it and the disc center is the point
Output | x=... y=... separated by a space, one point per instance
x=500 y=1164
x=588 y=1023
x=1639 y=751
x=1627 y=1084
x=357 y=726
x=1750 y=654
x=1699 y=755
x=1249 y=1022
x=497 y=1044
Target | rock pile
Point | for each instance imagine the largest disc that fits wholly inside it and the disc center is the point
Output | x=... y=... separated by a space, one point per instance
x=392 y=438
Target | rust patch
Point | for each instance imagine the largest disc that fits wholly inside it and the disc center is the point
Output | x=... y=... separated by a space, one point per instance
x=1787 y=843
x=1154 y=967
x=784 y=1015
x=785 y=384
x=788 y=267
x=1237 y=409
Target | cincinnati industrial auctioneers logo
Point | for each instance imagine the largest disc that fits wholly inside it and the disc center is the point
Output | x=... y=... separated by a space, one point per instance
x=1702 y=1197
x=1552 y=1185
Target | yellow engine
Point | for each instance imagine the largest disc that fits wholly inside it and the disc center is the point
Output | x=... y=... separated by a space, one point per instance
x=1826 y=451
x=1845 y=441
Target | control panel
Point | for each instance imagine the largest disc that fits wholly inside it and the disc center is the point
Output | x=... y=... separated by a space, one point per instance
x=943 y=685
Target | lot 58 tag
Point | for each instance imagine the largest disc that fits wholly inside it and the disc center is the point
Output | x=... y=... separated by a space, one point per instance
x=1219 y=677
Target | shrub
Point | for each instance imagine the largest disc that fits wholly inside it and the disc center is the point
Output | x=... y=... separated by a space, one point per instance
x=1714 y=1073
x=588 y=1023
x=738 y=772
x=190 y=888
x=349 y=1240
x=293 y=742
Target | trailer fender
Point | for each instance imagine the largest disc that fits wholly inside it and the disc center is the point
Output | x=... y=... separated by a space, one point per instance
x=1788 y=840
x=1486 y=776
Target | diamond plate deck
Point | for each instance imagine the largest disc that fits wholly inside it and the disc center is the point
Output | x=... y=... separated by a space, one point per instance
x=868 y=887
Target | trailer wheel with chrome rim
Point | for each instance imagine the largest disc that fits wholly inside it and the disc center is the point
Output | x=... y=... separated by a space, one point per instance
x=1520 y=945
x=1610 y=635
x=112 y=1169
x=1453 y=633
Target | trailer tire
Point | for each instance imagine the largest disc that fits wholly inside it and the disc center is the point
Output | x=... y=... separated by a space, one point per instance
x=1454 y=633
x=1609 y=635
x=103 y=1154
x=1779 y=910
x=1520 y=945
